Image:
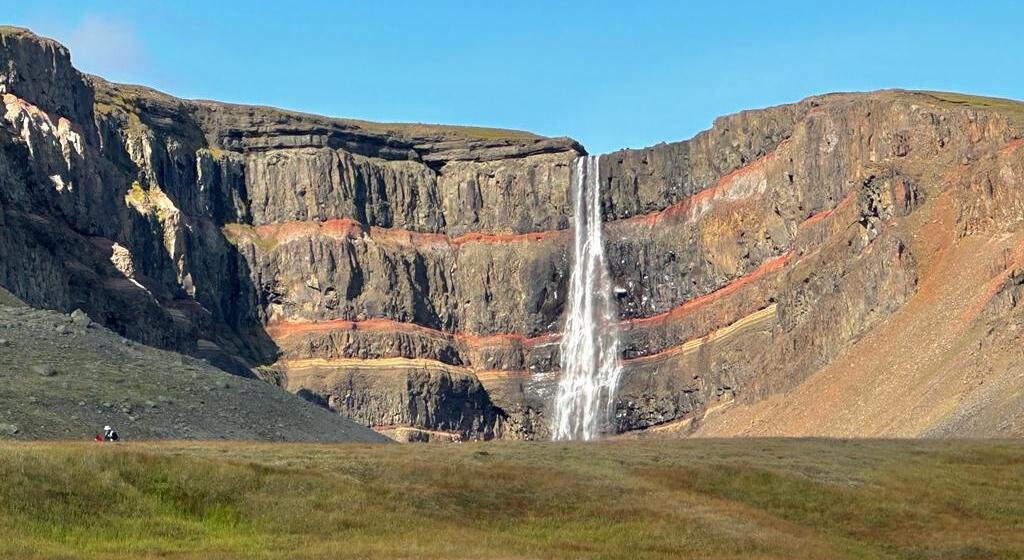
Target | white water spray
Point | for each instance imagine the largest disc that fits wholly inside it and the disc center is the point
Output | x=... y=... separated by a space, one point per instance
x=590 y=342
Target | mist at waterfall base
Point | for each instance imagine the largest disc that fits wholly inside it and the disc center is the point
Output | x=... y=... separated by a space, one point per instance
x=590 y=344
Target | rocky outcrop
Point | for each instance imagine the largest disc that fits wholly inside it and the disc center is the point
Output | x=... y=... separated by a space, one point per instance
x=39 y=71
x=412 y=277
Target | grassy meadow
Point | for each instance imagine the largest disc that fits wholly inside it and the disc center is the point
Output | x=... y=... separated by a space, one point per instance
x=782 y=499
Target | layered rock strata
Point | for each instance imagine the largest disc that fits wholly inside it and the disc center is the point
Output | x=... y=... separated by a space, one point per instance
x=413 y=277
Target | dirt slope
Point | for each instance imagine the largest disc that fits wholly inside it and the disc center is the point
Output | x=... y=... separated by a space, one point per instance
x=936 y=367
x=62 y=376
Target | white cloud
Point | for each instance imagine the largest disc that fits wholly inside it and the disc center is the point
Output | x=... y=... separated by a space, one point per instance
x=106 y=46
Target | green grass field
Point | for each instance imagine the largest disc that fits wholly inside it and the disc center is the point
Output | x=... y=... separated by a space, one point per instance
x=618 y=499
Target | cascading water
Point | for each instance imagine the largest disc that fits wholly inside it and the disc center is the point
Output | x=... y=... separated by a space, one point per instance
x=590 y=343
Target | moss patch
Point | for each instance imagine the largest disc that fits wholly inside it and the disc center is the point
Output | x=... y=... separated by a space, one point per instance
x=236 y=234
x=1012 y=109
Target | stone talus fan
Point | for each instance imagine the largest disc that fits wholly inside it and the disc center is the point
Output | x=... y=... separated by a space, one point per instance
x=590 y=347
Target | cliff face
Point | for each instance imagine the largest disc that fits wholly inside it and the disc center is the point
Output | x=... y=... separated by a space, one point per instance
x=413 y=277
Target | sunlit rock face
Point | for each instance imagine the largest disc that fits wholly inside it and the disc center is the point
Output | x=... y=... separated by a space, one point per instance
x=417 y=278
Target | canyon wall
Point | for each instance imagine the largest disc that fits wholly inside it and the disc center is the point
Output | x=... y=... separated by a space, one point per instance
x=413 y=277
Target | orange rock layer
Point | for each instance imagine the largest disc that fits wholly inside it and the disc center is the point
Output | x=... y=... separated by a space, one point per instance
x=284 y=232
x=732 y=287
x=684 y=206
x=282 y=330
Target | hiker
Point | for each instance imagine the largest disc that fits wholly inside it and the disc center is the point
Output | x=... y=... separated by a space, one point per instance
x=109 y=434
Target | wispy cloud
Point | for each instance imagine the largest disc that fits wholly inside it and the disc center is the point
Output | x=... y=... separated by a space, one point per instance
x=107 y=46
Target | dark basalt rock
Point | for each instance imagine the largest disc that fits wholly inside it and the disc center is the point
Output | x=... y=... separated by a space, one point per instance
x=39 y=71
x=414 y=275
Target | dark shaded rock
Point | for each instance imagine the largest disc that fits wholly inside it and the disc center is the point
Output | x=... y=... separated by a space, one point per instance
x=39 y=71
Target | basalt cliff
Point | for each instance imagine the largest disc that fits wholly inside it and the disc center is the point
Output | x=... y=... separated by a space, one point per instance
x=848 y=265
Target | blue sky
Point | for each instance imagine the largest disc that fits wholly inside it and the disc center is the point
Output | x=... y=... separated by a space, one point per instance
x=610 y=74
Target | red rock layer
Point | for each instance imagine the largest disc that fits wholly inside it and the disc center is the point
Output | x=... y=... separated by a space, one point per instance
x=345 y=227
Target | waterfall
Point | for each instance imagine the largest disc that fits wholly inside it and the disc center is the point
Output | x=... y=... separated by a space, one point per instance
x=590 y=345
